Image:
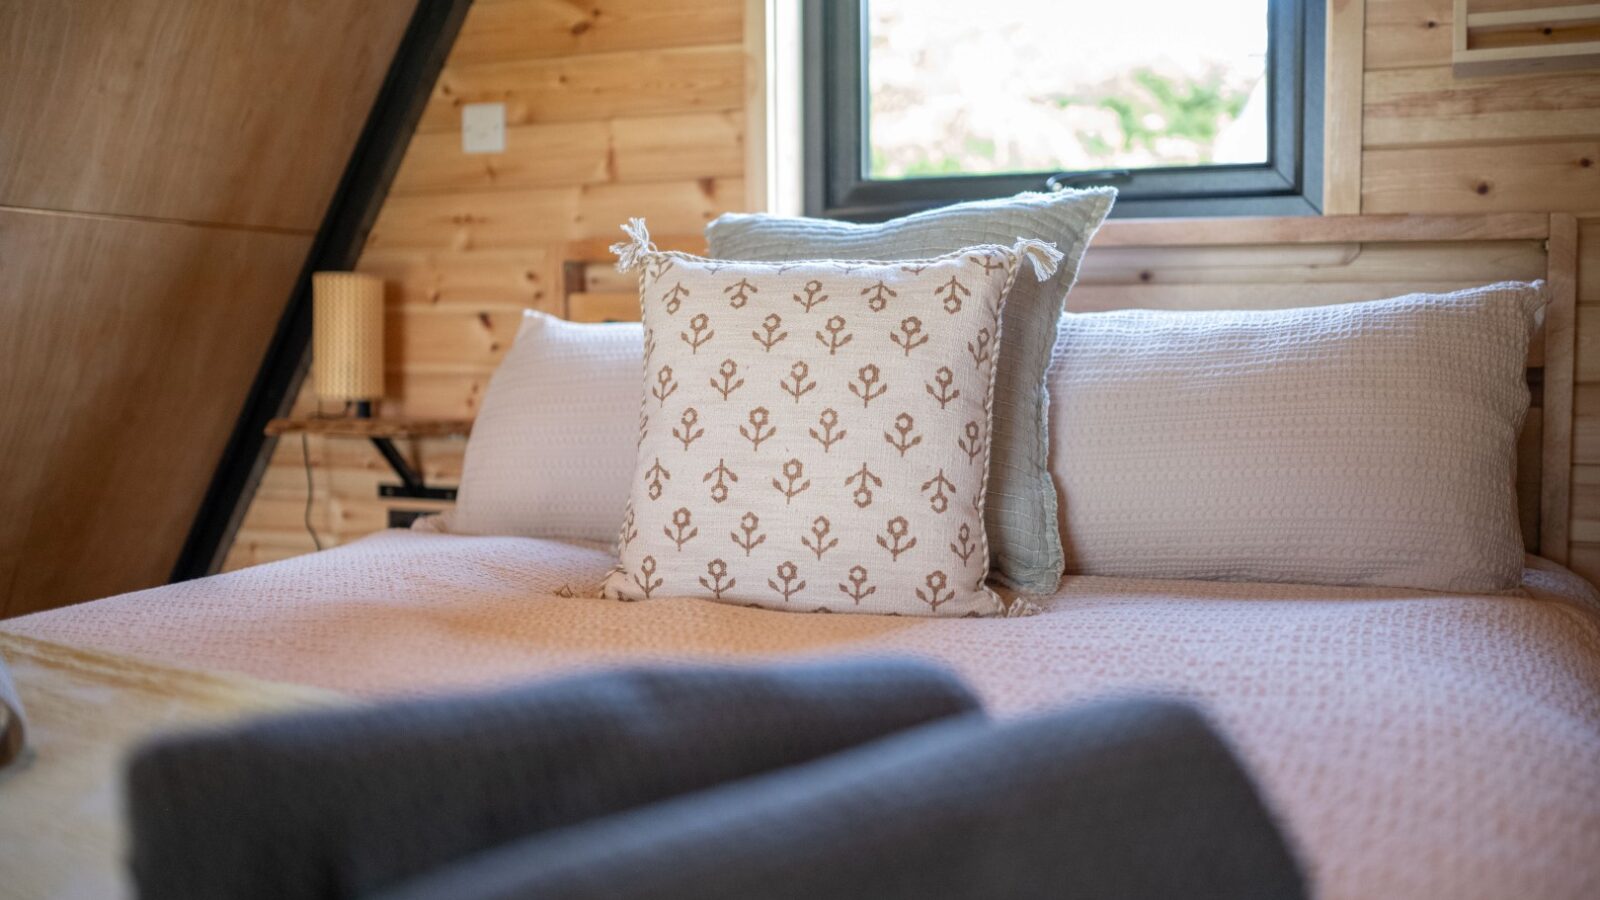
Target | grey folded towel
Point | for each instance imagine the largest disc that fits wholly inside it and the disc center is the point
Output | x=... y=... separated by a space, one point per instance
x=338 y=804
x=1119 y=801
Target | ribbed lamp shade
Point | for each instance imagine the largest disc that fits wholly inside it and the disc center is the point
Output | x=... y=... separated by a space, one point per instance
x=347 y=335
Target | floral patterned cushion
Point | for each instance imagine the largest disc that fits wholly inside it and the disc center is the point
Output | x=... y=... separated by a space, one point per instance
x=815 y=436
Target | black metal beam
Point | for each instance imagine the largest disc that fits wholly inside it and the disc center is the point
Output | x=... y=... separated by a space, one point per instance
x=412 y=485
x=354 y=207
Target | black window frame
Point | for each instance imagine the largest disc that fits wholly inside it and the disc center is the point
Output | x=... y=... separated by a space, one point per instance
x=835 y=144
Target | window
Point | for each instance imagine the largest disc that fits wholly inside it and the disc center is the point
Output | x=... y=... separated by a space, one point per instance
x=1189 y=108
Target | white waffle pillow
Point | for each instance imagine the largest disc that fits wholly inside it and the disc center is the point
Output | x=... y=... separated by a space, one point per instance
x=553 y=447
x=1360 y=444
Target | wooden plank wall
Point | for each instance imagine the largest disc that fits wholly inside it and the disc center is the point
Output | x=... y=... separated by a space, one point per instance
x=633 y=108
x=163 y=167
x=1435 y=143
x=615 y=108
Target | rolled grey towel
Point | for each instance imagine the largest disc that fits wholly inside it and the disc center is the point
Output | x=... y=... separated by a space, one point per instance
x=338 y=804
x=1117 y=801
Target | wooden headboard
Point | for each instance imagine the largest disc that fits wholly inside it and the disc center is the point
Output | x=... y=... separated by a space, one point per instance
x=1306 y=261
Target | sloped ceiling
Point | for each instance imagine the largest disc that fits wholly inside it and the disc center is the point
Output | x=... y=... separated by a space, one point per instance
x=164 y=165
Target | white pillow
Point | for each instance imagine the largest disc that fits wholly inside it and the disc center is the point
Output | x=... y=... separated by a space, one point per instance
x=1361 y=444
x=553 y=447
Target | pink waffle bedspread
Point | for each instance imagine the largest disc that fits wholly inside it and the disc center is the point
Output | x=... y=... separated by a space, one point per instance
x=1415 y=745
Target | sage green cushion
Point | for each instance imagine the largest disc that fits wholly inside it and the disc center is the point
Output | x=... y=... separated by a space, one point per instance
x=1024 y=535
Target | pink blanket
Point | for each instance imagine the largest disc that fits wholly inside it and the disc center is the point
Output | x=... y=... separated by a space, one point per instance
x=1416 y=745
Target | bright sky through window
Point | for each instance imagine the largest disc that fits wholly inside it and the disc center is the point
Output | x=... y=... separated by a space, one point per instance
x=1007 y=86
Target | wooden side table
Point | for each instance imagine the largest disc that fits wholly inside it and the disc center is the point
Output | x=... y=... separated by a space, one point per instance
x=382 y=432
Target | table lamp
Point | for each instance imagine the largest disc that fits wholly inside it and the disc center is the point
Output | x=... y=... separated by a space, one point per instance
x=347 y=338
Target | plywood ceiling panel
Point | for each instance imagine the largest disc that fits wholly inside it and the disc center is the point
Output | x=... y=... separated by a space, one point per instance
x=129 y=347
x=240 y=112
x=163 y=167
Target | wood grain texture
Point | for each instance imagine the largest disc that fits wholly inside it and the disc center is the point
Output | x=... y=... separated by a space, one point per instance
x=1343 y=123
x=758 y=100
x=603 y=307
x=511 y=279
x=172 y=108
x=616 y=108
x=1407 y=107
x=163 y=167
x=522 y=218
x=1344 y=262
x=1589 y=260
x=1541 y=38
x=1559 y=176
x=129 y=347
x=1522 y=59
x=629 y=149
x=1588 y=344
x=1584 y=556
x=448 y=339
x=602 y=86
x=1319 y=230
x=1586 y=434
x=1436 y=143
x=1406 y=33
x=441 y=394
x=351 y=427
x=512 y=30
x=1530 y=471
x=1495 y=6
x=1246 y=294
x=1560 y=331
x=1409 y=33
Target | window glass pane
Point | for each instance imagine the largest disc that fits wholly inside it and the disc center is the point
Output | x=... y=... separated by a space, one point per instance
x=1002 y=86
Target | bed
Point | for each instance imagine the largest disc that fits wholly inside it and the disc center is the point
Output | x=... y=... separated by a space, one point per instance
x=1414 y=743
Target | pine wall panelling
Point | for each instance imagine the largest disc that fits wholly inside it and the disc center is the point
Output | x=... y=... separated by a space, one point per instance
x=1585 y=553
x=614 y=108
x=163 y=167
x=1525 y=143
x=626 y=108
x=1341 y=107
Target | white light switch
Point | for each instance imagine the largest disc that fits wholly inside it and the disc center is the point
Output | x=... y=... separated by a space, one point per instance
x=483 y=128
